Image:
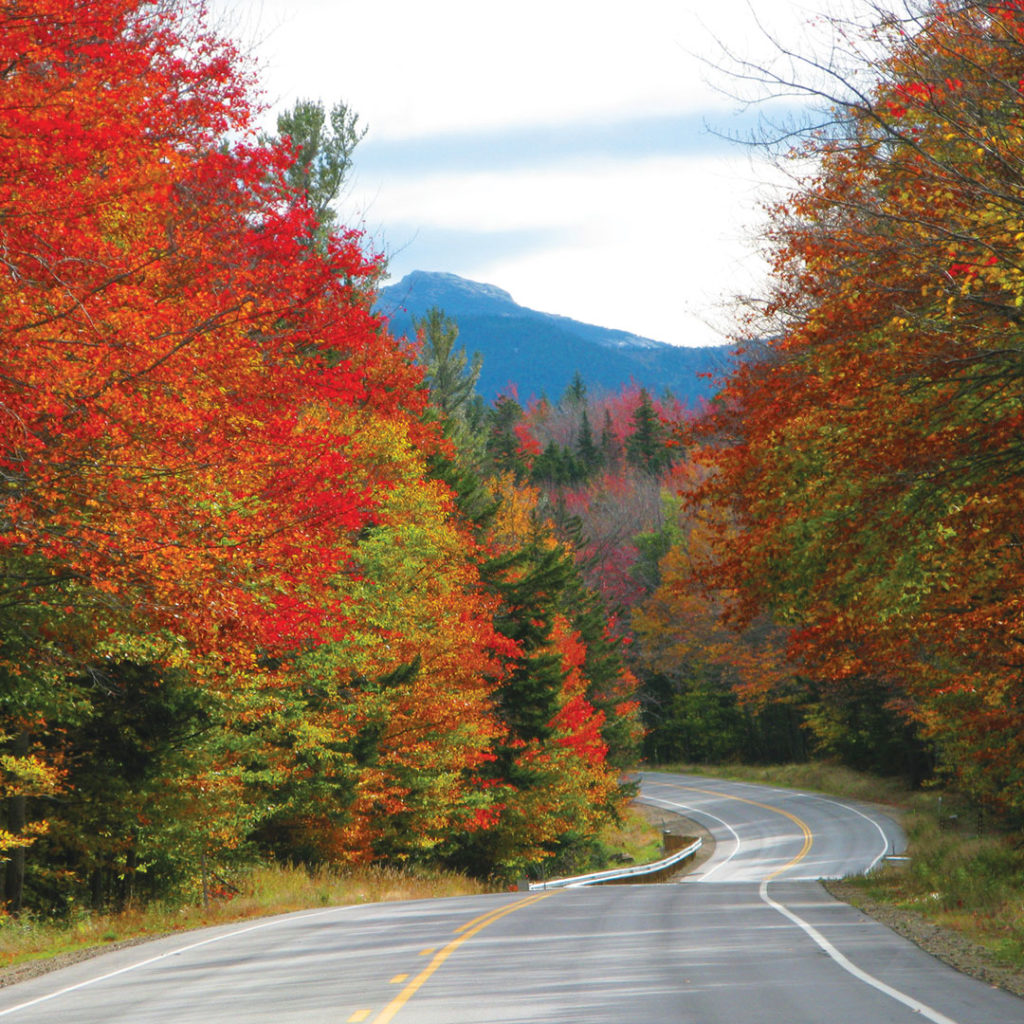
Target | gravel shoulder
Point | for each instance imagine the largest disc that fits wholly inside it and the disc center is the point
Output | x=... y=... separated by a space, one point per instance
x=949 y=946
x=33 y=968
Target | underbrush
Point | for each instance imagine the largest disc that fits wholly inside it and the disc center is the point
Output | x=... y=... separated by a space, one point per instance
x=960 y=878
x=631 y=840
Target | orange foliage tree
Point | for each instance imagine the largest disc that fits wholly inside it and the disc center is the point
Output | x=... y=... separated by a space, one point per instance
x=238 y=602
x=378 y=750
x=872 y=456
x=554 y=783
x=184 y=484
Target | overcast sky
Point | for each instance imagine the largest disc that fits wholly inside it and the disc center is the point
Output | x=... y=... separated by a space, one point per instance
x=556 y=148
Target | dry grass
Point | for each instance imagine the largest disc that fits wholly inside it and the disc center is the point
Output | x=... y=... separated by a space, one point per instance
x=261 y=892
x=278 y=890
x=960 y=877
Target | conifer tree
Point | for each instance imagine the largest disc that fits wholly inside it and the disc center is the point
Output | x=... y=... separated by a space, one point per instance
x=576 y=393
x=590 y=455
x=450 y=375
x=324 y=144
x=646 y=446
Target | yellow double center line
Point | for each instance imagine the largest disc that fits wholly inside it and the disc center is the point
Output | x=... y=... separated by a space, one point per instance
x=478 y=924
x=465 y=933
x=800 y=824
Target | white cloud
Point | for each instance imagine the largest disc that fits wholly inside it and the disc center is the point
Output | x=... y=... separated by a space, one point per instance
x=650 y=245
x=418 y=68
x=667 y=248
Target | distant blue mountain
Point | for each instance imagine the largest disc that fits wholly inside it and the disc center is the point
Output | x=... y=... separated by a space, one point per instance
x=540 y=353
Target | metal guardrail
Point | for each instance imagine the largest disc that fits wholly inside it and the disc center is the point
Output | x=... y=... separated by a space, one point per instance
x=616 y=874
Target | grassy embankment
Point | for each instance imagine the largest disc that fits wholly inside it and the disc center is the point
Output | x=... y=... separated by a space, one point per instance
x=263 y=891
x=965 y=873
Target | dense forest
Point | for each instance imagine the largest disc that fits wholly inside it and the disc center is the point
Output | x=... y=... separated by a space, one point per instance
x=277 y=584
x=264 y=593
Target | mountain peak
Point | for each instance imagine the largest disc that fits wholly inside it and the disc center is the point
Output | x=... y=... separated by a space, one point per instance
x=540 y=353
x=424 y=288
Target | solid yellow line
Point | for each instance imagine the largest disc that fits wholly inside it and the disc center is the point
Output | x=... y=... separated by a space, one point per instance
x=358 y=1016
x=800 y=824
x=482 y=917
x=398 y=979
x=478 y=924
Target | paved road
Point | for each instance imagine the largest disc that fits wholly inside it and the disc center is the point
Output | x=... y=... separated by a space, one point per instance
x=747 y=939
x=762 y=832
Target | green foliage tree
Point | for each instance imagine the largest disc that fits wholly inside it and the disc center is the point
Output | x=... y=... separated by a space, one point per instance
x=589 y=454
x=452 y=378
x=324 y=143
x=131 y=731
x=576 y=393
x=449 y=373
x=504 y=445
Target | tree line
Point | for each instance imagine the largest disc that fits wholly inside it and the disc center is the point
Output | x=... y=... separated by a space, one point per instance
x=276 y=584
x=263 y=592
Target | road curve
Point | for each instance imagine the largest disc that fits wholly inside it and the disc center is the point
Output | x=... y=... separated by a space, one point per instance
x=748 y=938
x=765 y=832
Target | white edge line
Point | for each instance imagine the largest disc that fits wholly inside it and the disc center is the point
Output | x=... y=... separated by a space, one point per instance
x=656 y=802
x=868 y=979
x=866 y=817
x=164 y=956
x=757 y=787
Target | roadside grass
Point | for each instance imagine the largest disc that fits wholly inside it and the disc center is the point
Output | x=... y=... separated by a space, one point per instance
x=266 y=890
x=821 y=777
x=965 y=871
x=634 y=839
x=960 y=876
x=262 y=891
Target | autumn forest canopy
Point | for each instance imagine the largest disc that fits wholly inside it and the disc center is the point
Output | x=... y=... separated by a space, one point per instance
x=276 y=584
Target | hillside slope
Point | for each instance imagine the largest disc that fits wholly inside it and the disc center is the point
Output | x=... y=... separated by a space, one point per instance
x=538 y=353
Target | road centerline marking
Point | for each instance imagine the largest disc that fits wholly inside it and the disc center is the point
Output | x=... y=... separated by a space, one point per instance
x=465 y=933
x=799 y=822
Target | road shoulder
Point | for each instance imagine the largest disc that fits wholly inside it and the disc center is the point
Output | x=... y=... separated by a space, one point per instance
x=943 y=943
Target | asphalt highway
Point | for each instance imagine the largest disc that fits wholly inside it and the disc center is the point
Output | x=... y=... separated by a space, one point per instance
x=750 y=937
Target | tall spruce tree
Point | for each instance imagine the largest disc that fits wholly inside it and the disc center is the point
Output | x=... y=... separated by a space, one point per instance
x=646 y=447
x=590 y=455
x=450 y=375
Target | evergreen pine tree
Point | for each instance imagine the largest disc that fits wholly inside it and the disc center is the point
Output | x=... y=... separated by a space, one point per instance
x=589 y=454
x=646 y=447
x=324 y=144
x=576 y=393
